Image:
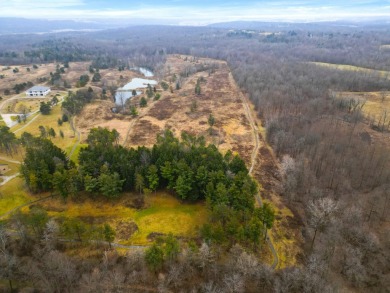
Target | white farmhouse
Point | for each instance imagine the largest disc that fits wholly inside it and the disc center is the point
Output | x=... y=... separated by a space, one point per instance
x=37 y=91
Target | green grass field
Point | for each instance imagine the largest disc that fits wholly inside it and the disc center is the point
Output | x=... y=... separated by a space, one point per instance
x=163 y=214
x=12 y=195
x=14 y=168
x=65 y=143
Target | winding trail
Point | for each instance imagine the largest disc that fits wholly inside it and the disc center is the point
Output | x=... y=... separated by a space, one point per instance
x=78 y=138
x=254 y=155
x=129 y=129
x=24 y=205
x=9 y=160
x=29 y=122
x=8 y=178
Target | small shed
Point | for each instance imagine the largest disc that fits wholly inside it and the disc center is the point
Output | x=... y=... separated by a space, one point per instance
x=3 y=169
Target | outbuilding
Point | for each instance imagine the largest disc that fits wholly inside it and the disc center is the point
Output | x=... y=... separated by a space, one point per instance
x=38 y=91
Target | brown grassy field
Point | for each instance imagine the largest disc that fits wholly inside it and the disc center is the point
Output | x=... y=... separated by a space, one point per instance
x=219 y=97
x=376 y=105
x=381 y=73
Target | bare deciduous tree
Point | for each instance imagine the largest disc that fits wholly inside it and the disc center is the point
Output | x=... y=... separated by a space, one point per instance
x=321 y=213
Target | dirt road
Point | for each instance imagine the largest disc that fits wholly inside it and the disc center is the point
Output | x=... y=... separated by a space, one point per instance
x=255 y=152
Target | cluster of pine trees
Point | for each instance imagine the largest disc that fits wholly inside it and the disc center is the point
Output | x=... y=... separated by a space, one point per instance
x=188 y=168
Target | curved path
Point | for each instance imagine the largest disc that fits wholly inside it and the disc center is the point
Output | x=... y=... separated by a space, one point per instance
x=29 y=122
x=78 y=138
x=9 y=160
x=8 y=178
x=254 y=155
x=24 y=205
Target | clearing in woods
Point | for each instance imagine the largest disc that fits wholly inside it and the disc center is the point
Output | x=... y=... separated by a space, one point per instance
x=381 y=73
x=374 y=103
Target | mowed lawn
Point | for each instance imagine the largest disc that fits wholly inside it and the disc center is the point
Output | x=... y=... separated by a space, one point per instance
x=163 y=213
x=51 y=121
x=13 y=168
x=13 y=194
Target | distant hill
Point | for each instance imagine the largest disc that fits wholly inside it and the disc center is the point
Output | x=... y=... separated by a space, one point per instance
x=286 y=26
x=11 y=25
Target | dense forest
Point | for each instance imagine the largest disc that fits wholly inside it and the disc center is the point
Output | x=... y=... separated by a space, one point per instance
x=334 y=173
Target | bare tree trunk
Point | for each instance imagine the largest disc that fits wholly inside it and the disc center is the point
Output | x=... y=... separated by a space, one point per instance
x=314 y=238
x=10 y=285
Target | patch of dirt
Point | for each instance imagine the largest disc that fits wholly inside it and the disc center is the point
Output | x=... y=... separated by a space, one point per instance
x=135 y=203
x=93 y=220
x=154 y=235
x=149 y=132
x=124 y=230
x=164 y=110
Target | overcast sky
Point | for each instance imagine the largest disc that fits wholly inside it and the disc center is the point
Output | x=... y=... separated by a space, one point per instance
x=197 y=12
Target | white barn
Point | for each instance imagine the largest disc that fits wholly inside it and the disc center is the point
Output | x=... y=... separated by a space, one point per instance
x=37 y=91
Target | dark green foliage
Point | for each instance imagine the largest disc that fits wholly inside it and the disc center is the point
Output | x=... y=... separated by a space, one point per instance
x=108 y=233
x=66 y=182
x=165 y=248
x=21 y=86
x=153 y=178
x=96 y=77
x=154 y=257
x=52 y=132
x=45 y=108
x=189 y=168
x=54 y=100
x=157 y=96
x=41 y=161
x=197 y=89
x=266 y=214
x=65 y=118
x=8 y=140
x=104 y=62
x=211 y=120
x=102 y=137
x=110 y=184
x=75 y=102
x=143 y=102
x=149 y=91
x=164 y=85
x=133 y=111
x=83 y=80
